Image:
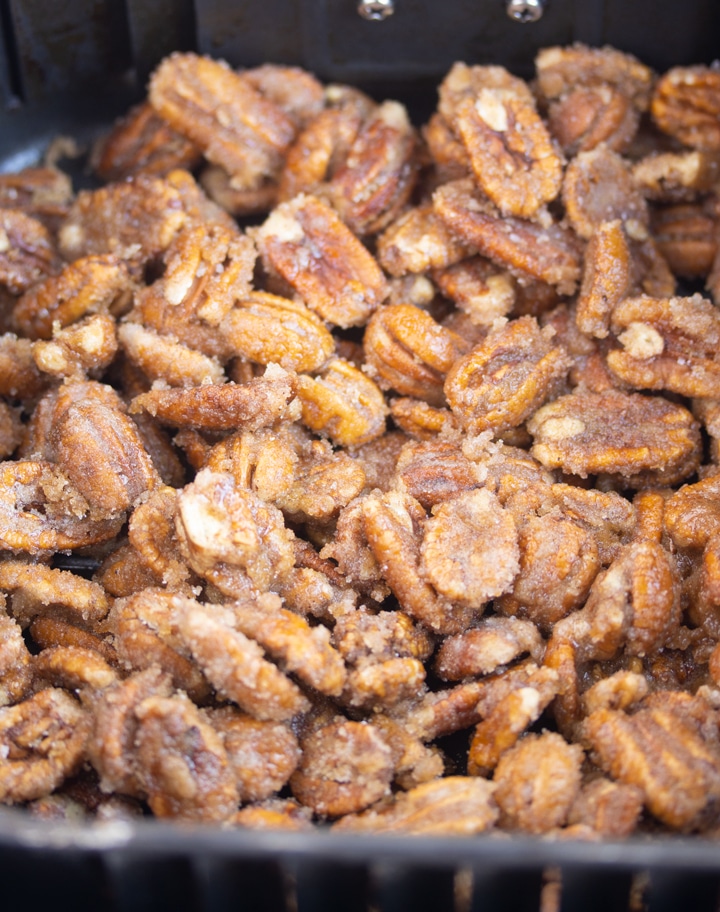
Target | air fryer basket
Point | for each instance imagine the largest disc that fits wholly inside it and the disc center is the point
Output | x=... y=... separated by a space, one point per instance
x=67 y=69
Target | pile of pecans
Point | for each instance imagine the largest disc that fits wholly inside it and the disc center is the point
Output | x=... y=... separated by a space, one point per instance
x=397 y=509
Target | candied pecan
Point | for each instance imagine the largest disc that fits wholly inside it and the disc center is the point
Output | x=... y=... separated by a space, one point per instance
x=15 y=662
x=264 y=327
x=262 y=755
x=111 y=746
x=307 y=244
x=558 y=562
x=42 y=590
x=345 y=767
x=379 y=457
x=664 y=753
x=449 y=158
x=42 y=192
x=164 y=358
x=27 y=252
x=546 y=252
x=88 y=346
x=223 y=407
x=101 y=452
x=612 y=809
x=417 y=241
x=598 y=187
x=219 y=522
x=676 y=177
x=651 y=273
x=618 y=691
x=560 y=69
x=274 y=814
x=615 y=432
x=686 y=104
x=685 y=236
x=208 y=267
x=92 y=284
x=236 y=666
x=511 y=152
x=325 y=481
x=505 y=378
x=692 y=514
x=379 y=173
x=297 y=92
x=123 y=572
x=142 y=142
x=343 y=403
x=73 y=668
x=48 y=632
x=606 y=278
x=222 y=113
x=19 y=375
x=435 y=471
x=587 y=116
x=414 y=762
x=218 y=185
x=302 y=650
x=323 y=144
x=151 y=531
x=483 y=649
x=146 y=633
x=417 y=419
x=509 y=703
x=478 y=289
x=43 y=742
x=410 y=352
x=537 y=782
x=11 y=430
x=668 y=344
x=182 y=763
x=393 y=527
x=462 y=82
x=134 y=220
x=469 y=548
x=453 y=806
x=350 y=549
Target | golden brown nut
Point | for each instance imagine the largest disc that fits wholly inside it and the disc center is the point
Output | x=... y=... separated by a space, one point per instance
x=236 y=666
x=587 y=116
x=614 y=432
x=27 y=251
x=417 y=241
x=528 y=249
x=66 y=522
x=306 y=243
x=73 y=668
x=263 y=327
x=606 y=278
x=43 y=742
x=19 y=375
x=478 y=288
x=663 y=753
x=676 y=177
x=377 y=178
x=504 y=379
x=668 y=344
x=222 y=113
x=224 y=407
x=453 y=806
x=345 y=767
x=484 y=648
x=511 y=153
x=15 y=662
x=88 y=346
x=685 y=237
x=537 y=782
x=612 y=809
x=469 y=549
x=436 y=471
x=410 y=352
x=343 y=403
x=182 y=763
x=112 y=744
x=560 y=69
x=686 y=104
x=262 y=755
x=164 y=358
x=598 y=187
x=42 y=192
x=142 y=142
